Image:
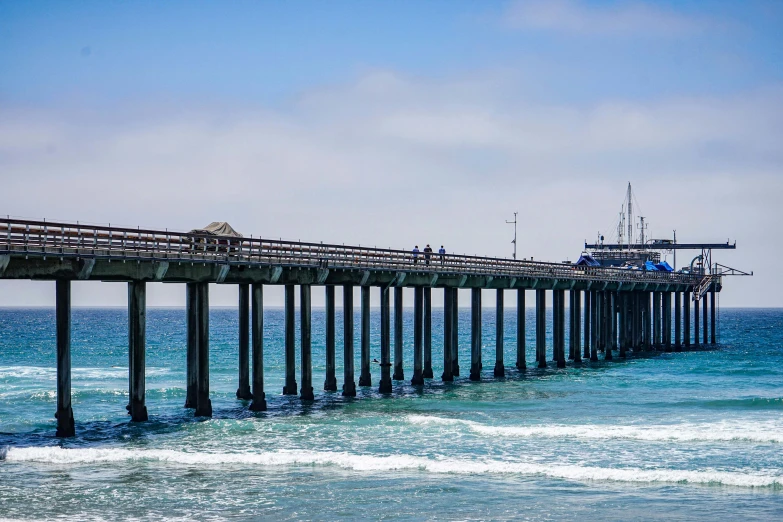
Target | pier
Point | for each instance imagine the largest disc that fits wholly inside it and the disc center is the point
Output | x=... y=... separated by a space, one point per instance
x=610 y=309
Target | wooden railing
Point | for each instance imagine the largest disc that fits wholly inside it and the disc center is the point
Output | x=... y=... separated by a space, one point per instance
x=42 y=238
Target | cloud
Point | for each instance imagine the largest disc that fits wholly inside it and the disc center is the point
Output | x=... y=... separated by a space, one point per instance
x=614 y=19
x=391 y=160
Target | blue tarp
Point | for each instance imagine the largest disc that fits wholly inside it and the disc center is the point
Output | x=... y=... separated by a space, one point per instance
x=664 y=267
x=650 y=266
x=587 y=260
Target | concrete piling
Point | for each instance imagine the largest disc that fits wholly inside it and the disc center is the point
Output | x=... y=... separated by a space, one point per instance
x=243 y=391
x=500 y=370
x=191 y=296
x=203 y=402
x=667 y=321
x=594 y=319
x=427 y=372
x=365 y=378
x=418 y=331
x=349 y=385
x=475 y=334
x=571 y=326
x=330 y=381
x=257 y=326
x=541 y=327
x=290 y=342
x=448 y=326
x=587 y=323
x=306 y=392
x=712 y=316
x=399 y=373
x=686 y=315
x=656 y=317
x=608 y=321
x=521 y=363
x=704 y=323
x=386 y=384
x=695 y=322
x=455 y=333
x=561 y=356
x=677 y=321
x=137 y=327
x=577 y=327
x=622 y=322
x=64 y=412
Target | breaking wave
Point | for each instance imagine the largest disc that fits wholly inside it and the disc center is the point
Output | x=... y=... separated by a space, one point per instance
x=369 y=463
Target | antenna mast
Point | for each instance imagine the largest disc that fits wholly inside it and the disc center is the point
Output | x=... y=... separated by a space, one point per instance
x=630 y=217
x=515 y=234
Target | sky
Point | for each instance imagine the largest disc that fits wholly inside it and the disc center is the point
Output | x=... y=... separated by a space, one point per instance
x=397 y=124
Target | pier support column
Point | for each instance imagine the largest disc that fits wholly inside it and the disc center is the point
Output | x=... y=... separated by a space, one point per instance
x=705 y=325
x=521 y=363
x=594 y=319
x=290 y=342
x=137 y=329
x=475 y=334
x=571 y=336
x=646 y=313
x=615 y=296
x=712 y=316
x=243 y=391
x=64 y=412
x=257 y=327
x=365 y=378
x=448 y=326
x=561 y=355
x=191 y=380
x=541 y=328
x=686 y=315
x=622 y=322
x=330 y=383
x=307 y=350
x=349 y=385
x=427 y=372
x=386 y=384
x=587 y=321
x=576 y=329
x=399 y=373
x=695 y=321
x=418 y=327
x=203 y=403
x=500 y=369
x=555 y=322
x=677 y=321
x=455 y=333
x=667 y=321
x=599 y=321
x=656 y=320
x=608 y=321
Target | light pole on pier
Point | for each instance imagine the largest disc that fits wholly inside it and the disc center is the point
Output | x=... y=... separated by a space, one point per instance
x=515 y=233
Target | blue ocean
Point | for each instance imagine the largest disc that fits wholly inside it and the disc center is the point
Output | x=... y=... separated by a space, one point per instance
x=660 y=436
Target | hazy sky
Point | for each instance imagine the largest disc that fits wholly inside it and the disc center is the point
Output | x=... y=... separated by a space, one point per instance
x=398 y=123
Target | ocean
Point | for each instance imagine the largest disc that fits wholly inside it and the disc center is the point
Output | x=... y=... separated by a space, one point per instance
x=661 y=436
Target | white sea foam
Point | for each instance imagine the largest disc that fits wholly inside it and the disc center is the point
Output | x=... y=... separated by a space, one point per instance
x=371 y=463
x=712 y=432
x=28 y=372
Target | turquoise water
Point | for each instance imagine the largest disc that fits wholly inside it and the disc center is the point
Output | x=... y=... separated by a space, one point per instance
x=690 y=435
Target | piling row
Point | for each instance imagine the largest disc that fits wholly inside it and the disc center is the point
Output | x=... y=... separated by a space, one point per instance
x=599 y=322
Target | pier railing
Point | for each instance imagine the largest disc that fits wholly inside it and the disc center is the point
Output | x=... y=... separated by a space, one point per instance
x=43 y=238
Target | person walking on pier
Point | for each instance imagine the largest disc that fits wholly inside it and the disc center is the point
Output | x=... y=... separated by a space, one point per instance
x=442 y=252
x=415 y=254
x=427 y=254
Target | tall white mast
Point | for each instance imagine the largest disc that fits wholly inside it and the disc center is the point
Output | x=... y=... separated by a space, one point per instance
x=630 y=217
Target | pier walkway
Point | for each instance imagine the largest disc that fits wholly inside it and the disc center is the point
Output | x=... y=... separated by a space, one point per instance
x=623 y=309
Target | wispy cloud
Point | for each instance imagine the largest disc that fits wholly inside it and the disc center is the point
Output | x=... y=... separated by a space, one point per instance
x=598 y=18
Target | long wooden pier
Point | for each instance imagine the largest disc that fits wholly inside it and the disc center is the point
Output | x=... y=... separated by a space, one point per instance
x=609 y=309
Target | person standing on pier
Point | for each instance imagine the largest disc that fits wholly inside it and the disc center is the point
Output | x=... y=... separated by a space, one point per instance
x=427 y=254
x=442 y=252
x=415 y=254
